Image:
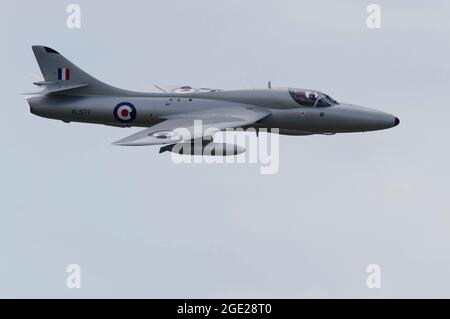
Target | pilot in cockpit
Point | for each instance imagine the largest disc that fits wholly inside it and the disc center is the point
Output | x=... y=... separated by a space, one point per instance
x=312 y=99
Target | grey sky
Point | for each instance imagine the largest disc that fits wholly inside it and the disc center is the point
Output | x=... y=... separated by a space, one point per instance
x=141 y=226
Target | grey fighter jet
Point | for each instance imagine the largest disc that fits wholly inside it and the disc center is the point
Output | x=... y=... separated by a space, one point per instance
x=172 y=116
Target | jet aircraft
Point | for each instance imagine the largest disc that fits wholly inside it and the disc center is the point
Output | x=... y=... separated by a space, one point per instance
x=172 y=116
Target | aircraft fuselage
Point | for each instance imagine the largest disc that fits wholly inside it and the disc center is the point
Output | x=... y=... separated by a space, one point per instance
x=150 y=108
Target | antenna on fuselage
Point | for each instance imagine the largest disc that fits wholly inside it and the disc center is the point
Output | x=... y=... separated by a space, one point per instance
x=162 y=90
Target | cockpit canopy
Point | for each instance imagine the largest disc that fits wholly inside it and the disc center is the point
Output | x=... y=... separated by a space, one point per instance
x=311 y=98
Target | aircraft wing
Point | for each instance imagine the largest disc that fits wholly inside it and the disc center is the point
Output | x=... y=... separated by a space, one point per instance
x=186 y=126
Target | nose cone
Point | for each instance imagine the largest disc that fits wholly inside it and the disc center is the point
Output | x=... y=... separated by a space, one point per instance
x=360 y=119
x=382 y=120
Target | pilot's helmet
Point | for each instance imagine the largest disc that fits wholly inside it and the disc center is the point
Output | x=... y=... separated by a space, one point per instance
x=311 y=95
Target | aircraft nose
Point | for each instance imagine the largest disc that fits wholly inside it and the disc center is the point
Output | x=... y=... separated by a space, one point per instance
x=382 y=120
x=366 y=119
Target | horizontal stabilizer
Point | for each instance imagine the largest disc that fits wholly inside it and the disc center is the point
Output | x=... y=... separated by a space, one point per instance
x=52 y=87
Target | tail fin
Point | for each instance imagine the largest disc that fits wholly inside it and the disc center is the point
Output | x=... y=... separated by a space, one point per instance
x=56 y=69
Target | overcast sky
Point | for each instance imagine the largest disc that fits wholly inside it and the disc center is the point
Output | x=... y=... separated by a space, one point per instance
x=141 y=226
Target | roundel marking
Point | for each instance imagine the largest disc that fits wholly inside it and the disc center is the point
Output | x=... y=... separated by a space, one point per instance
x=163 y=134
x=125 y=112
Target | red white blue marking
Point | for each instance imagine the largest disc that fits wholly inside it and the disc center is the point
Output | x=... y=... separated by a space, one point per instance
x=63 y=74
x=125 y=112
